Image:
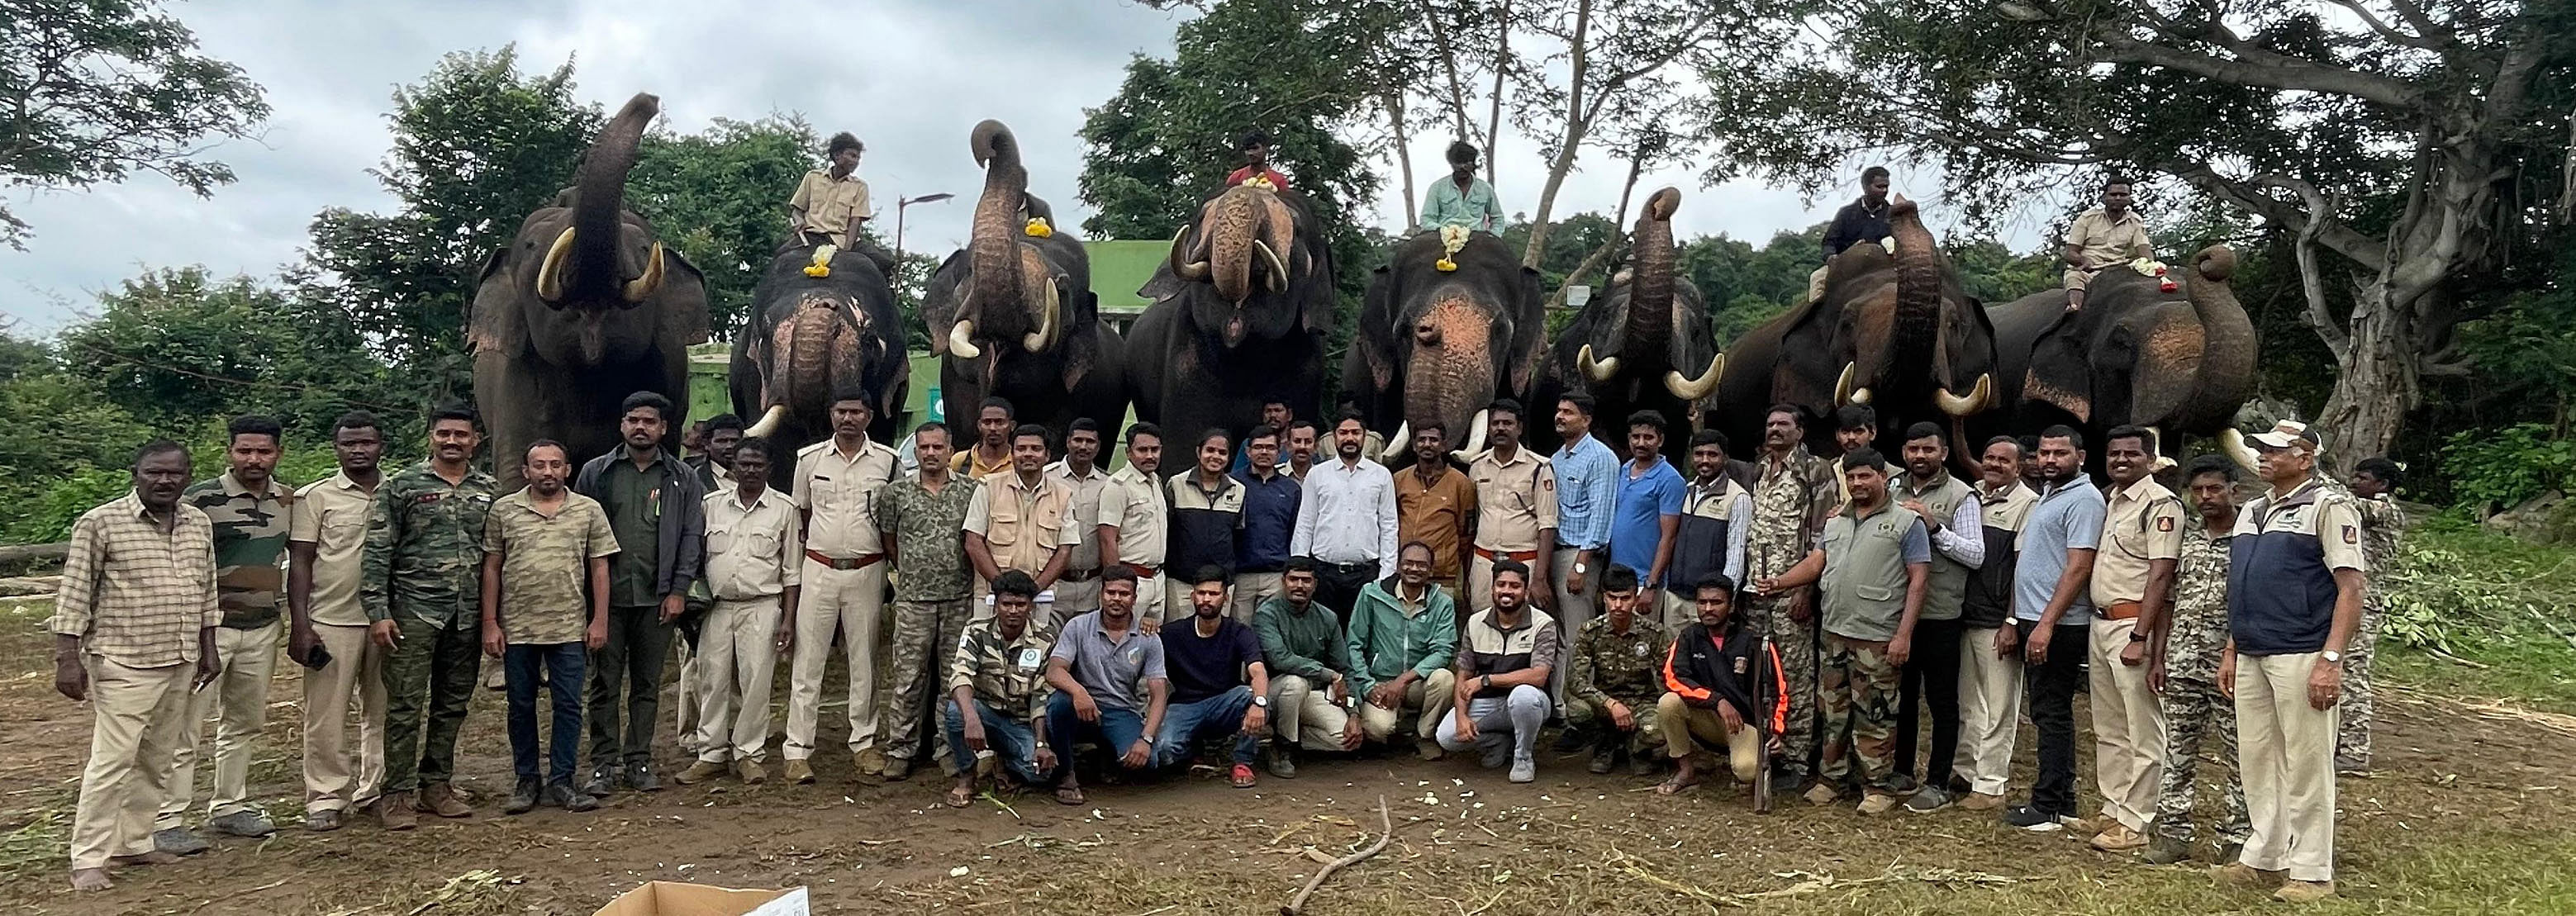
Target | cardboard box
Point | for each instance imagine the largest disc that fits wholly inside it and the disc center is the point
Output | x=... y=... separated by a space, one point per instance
x=673 y=898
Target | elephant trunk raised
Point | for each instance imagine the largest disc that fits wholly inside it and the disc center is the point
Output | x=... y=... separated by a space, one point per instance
x=1649 y=322
x=1916 y=331
x=582 y=266
x=1013 y=291
x=2227 y=335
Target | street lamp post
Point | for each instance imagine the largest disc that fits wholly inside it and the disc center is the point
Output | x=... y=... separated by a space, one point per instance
x=900 y=203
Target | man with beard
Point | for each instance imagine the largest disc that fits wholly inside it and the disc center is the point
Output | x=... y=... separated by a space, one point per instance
x=1135 y=522
x=544 y=547
x=997 y=690
x=1500 y=700
x=1311 y=692
x=1515 y=509
x=1303 y=437
x=1220 y=686
x=654 y=503
x=323 y=544
x=1648 y=509
x=2184 y=672
x=2132 y=587
x=1347 y=519
x=2374 y=490
x=1270 y=499
x=1022 y=519
x=1930 y=680
x=1110 y=684
x=755 y=573
x=715 y=467
x=1079 y=587
x=249 y=508
x=841 y=588
x=1717 y=515
x=2109 y=234
x=1434 y=503
x=1587 y=494
x=923 y=519
x=1989 y=648
x=1610 y=697
x=1862 y=220
x=1712 y=675
x=1792 y=494
x=421 y=580
x=1464 y=201
x=1403 y=636
x=2053 y=620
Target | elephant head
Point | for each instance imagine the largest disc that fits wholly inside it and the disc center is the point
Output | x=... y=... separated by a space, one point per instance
x=1436 y=345
x=2182 y=361
x=1016 y=290
x=1909 y=338
x=813 y=337
x=1635 y=335
x=1254 y=265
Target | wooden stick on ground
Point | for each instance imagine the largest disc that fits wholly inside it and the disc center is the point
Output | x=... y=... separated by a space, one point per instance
x=1386 y=831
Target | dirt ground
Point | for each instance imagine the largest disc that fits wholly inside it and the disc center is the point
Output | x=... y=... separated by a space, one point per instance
x=2467 y=814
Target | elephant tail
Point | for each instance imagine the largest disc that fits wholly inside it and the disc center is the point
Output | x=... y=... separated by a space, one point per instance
x=1917 y=328
x=994 y=246
x=600 y=198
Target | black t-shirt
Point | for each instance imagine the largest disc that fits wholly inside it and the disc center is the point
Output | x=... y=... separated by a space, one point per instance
x=1202 y=667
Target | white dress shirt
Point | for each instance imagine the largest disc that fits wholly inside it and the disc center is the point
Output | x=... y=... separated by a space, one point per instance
x=1347 y=515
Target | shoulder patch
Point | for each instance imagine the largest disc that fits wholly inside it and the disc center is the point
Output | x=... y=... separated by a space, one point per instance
x=2164 y=523
x=2351 y=534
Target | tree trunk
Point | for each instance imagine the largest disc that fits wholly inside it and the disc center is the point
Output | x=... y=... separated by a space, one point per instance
x=1601 y=255
x=1502 y=68
x=1403 y=155
x=2377 y=383
x=1448 y=67
x=1572 y=142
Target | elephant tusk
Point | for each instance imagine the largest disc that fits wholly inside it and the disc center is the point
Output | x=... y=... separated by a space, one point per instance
x=1976 y=400
x=1843 y=386
x=1398 y=444
x=1692 y=389
x=1860 y=396
x=2232 y=441
x=550 y=279
x=1475 y=439
x=961 y=340
x=769 y=422
x=1278 y=270
x=1598 y=370
x=1186 y=270
x=2156 y=447
x=642 y=288
x=1039 y=340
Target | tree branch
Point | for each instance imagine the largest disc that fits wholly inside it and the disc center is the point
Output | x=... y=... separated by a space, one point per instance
x=2361 y=11
x=2369 y=252
x=2311 y=279
x=2259 y=68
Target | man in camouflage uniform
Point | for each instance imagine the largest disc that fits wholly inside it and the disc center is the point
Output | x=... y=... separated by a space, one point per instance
x=1617 y=678
x=250 y=510
x=1792 y=492
x=2184 y=671
x=2374 y=487
x=422 y=583
x=998 y=691
x=923 y=519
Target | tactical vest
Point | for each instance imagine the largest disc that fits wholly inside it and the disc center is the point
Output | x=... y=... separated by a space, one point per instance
x=1864 y=582
x=1699 y=545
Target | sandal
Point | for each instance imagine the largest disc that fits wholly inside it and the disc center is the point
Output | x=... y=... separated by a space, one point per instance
x=1068 y=795
x=960 y=797
x=1675 y=785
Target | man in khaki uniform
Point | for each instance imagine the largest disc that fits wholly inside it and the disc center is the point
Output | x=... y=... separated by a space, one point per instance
x=2133 y=575
x=1079 y=587
x=843 y=583
x=1022 y=519
x=1515 y=509
x=2101 y=237
x=755 y=565
x=1135 y=522
x=832 y=202
x=323 y=544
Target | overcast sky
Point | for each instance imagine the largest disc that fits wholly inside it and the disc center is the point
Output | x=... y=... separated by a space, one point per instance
x=910 y=77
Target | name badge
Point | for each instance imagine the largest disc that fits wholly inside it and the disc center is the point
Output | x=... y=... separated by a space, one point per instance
x=1641 y=650
x=1029 y=657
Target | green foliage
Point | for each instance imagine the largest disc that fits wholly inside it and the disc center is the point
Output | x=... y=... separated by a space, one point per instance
x=58 y=499
x=720 y=197
x=97 y=90
x=2458 y=589
x=175 y=346
x=2502 y=467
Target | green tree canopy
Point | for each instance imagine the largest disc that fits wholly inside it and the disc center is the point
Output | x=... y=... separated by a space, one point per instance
x=720 y=196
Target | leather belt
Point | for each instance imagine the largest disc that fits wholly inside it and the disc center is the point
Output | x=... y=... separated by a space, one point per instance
x=1523 y=556
x=1078 y=575
x=2121 y=610
x=1141 y=570
x=861 y=561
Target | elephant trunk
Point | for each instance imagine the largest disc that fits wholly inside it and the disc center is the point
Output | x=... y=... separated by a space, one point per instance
x=802 y=374
x=1451 y=373
x=1649 y=318
x=2227 y=334
x=1916 y=331
x=1231 y=232
x=589 y=272
x=993 y=249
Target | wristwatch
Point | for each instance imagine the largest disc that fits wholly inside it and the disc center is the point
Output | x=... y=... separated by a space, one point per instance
x=1148 y=739
x=1042 y=745
x=1263 y=702
x=2333 y=657
x=2135 y=636
x=1578 y=567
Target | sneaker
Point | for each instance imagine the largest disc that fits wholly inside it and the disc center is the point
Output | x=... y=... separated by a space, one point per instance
x=898 y=768
x=247 y=823
x=523 y=798
x=641 y=777
x=2304 y=891
x=2241 y=876
x=1283 y=761
x=699 y=772
x=1932 y=798
x=1822 y=793
x=1524 y=769
x=440 y=799
x=871 y=762
x=1604 y=759
x=392 y=810
x=2032 y=819
x=2165 y=850
x=800 y=772
x=179 y=841
x=2119 y=838
x=603 y=780
x=563 y=795
x=1877 y=803
x=750 y=772
x=323 y=821
x=1982 y=801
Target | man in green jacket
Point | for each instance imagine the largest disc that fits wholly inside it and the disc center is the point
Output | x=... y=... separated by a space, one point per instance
x=1310 y=682
x=1403 y=635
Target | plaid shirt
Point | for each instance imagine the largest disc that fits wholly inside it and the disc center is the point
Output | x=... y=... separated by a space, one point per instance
x=134 y=593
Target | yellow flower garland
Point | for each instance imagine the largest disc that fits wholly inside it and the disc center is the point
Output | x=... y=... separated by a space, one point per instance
x=1039 y=229
x=822 y=264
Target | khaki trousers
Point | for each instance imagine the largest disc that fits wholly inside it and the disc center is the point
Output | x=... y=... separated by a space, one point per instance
x=737 y=656
x=1679 y=608
x=2128 y=728
x=850 y=602
x=1306 y=714
x=1685 y=726
x=1072 y=599
x=238 y=701
x=1250 y=589
x=1989 y=712
x=138 y=717
x=685 y=719
x=1572 y=611
x=354 y=682
x=2285 y=751
x=1433 y=696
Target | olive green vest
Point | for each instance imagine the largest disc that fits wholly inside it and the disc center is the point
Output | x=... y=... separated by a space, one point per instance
x=1864 y=582
x=1948 y=588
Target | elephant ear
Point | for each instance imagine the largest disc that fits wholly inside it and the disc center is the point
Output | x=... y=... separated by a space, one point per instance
x=683 y=298
x=493 y=322
x=1082 y=339
x=1529 y=340
x=1163 y=285
x=2061 y=367
x=1378 y=350
x=1809 y=329
x=1316 y=254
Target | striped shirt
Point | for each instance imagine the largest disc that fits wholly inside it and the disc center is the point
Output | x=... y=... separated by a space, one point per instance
x=134 y=593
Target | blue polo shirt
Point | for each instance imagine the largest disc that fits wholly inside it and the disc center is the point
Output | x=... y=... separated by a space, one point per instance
x=1636 y=520
x=2068 y=517
x=1269 y=521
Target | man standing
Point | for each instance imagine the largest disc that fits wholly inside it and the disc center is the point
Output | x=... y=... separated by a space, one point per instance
x=2295 y=580
x=1099 y=667
x=1873 y=564
x=1270 y=499
x=1256 y=162
x=2106 y=235
x=1587 y=489
x=1311 y=691
x=421 y=580
x=134 y=631
x=1207 y=517
x=1220 y=687
x=841 y=588
x=715 y=468
x=1648 y=511
x=1611 y=695
x=1347 y=520
x=1951 y=515
x=832 y=202
x=323 y=543
x=2133 y=579
x=923 y=519
x=1713 y=674
x=994 y=427
x=1464 y=200
x=1079 y=587
x=249 y=509
x=997 y=685
x=1503 y=668
x=1135 y=521
x=1855 y=428
x=1717 y=515
x=1434 y=503
x=544 y=547
x=755 y=565
x=1515 y=509
x=654 y=503
x=1403 y=637
x=1792 y=492
x=1862 y=220
x=719 y=435
x=1989 y=648
x=1304 y=436
x=2053 y=619
x=2184 y=671
x=2374 y=488
x=1022 y=519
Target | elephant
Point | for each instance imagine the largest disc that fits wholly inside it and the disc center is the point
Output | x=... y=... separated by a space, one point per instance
x=812 y=338
x=584 y=307
x=1643 y=344
x=1241 y=307
x=1012 y=314
x=1895 y=331
x=1441 y=345
x=2177 y=362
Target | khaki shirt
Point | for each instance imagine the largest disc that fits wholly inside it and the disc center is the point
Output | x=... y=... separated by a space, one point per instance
x=1133 y=504
x=1514 y=501
x=839 y=494
x=965 y=463
x=1086 y=513
x=332 y=515
x=2102 y=241
x=830 y=203
x=1023 y=526
x=2142 y=523
x=545 y=564
x=752 y=551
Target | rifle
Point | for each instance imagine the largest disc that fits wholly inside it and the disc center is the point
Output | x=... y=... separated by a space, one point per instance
x=1760 y=719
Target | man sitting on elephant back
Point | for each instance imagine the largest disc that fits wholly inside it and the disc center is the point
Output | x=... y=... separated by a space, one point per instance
x=1256 y=163
x=2101 y=237
x=1862 y=220
x=831 y=203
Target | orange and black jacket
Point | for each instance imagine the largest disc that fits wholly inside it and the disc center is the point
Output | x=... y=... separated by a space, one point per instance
x=1703 y=668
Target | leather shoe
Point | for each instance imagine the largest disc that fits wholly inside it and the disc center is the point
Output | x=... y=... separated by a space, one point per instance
x=699 y=772
x=523 y=798
x=750 y=773
x=394 y=810
x=800 y=772
x=441 y=800
x=640 y=777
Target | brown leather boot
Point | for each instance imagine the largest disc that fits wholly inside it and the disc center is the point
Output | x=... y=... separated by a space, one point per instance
x=394 y=811
x=440 y=799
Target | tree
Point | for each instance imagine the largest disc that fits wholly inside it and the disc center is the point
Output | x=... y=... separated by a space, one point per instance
x=92 y=91
x=174 y=347
x=720 y=197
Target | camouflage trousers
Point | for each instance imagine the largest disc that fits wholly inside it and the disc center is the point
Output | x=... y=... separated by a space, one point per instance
x=1856 y=687
x=1582 y=717
x=925 y=639
x=2195 y=711
x=1796 y=643
x=429 y=676
x=2352 y=741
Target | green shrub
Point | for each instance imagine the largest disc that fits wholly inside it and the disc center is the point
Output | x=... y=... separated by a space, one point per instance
x=2455 y=585
x=2500 y=468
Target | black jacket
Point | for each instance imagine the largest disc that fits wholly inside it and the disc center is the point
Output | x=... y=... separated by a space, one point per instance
x=1703 y=669
x=1854 y=224
x=682 y=540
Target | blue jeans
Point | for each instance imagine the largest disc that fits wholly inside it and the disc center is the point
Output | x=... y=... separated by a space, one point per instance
x=561 y=665
x=1011 y=741
x=1185 y=723
x=1116 y=731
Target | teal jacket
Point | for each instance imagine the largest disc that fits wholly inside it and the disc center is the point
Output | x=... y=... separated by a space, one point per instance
x=1385 y=642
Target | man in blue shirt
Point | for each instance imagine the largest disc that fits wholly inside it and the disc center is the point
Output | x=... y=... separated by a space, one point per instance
x=1464 y=200
x=1649 y=507
x=1269 y=520
x=1587 y=487
x=2053 y=618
